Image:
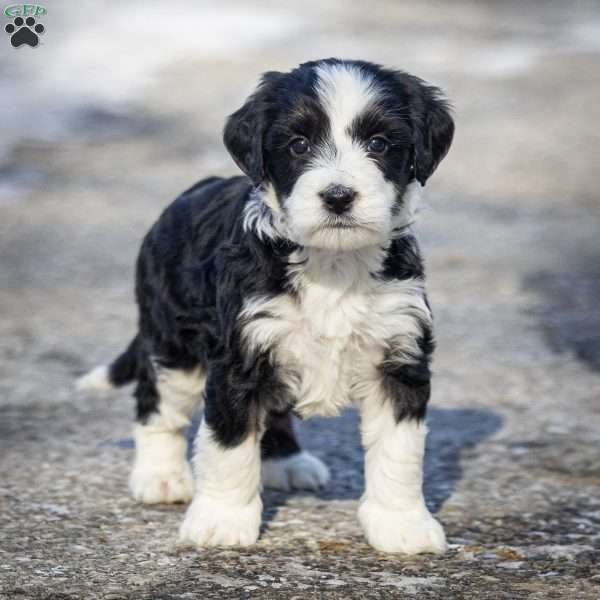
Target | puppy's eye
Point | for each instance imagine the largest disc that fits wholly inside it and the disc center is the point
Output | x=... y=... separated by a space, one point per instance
x=299 y=146
x=377 y=145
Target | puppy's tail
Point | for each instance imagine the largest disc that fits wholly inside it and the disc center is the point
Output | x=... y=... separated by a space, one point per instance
x=121 y=371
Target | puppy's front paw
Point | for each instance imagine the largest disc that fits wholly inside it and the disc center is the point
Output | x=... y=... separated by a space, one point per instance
x=410 y=532
x=211 y=522
x=152 y=485
x=301 y=471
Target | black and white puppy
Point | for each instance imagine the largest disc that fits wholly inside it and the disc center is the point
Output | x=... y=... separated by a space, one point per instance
x=297 y=288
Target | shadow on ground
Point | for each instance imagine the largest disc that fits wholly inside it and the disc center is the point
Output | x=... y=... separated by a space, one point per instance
x=569 y=310
x=453 y=433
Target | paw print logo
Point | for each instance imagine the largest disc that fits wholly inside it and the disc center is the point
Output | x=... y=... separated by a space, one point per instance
x=24 y=32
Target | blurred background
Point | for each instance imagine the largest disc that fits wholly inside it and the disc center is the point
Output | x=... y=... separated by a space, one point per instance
x=121 y=107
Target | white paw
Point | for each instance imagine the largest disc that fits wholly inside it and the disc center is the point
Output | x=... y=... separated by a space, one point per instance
x=211 y=522
x=410 y=532
x=150 y=485
x=301 y=471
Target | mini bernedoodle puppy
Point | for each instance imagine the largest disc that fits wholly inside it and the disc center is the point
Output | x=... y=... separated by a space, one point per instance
x=297 y=288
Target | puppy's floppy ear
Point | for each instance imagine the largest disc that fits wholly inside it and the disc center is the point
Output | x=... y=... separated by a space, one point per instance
x=433 y=128
x=245 y=129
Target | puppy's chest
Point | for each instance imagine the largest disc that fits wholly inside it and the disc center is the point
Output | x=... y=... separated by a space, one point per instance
x=323 y=333
x=326 y=338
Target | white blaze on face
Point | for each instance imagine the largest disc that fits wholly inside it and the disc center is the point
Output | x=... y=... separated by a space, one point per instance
x=345 y=92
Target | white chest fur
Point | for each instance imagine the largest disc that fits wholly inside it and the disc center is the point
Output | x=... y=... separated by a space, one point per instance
x=333 y=331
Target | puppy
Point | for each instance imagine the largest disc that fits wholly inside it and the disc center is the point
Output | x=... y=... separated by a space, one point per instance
x=297 y=288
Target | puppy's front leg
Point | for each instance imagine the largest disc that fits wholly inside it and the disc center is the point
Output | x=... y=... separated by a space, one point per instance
x=226 y=510
x=392 y=510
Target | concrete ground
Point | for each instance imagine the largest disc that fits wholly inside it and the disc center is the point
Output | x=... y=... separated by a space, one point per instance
x=120 y=109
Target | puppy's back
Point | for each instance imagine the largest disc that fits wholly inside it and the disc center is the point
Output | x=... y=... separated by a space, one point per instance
x=176 y=266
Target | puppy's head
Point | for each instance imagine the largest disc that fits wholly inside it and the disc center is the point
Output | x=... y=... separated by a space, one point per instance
x=333 y=145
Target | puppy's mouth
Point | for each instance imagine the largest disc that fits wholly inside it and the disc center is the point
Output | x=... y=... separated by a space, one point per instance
x=338 y=226
x=342 y=234
x=341 y=225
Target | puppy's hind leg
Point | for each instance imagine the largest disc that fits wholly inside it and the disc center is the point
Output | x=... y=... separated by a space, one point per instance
x=285 y=466
x=166 y=400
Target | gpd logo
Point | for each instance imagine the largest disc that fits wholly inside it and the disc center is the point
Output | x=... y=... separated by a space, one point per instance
x=24 y=30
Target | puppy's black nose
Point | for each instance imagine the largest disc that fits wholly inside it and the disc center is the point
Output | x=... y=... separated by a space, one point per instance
x=338 y=198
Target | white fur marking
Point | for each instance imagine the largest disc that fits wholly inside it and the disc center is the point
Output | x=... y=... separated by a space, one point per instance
x=409 y=209
x=96 y=380
x=161 y=472
x=345 y=92
x=393 y=511
x=341 y=318
x=226 y=510
x=180 y=394
x=301 y=471
x=263 y=215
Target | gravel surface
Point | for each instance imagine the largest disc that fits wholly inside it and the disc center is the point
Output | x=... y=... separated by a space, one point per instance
x=119 y=110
